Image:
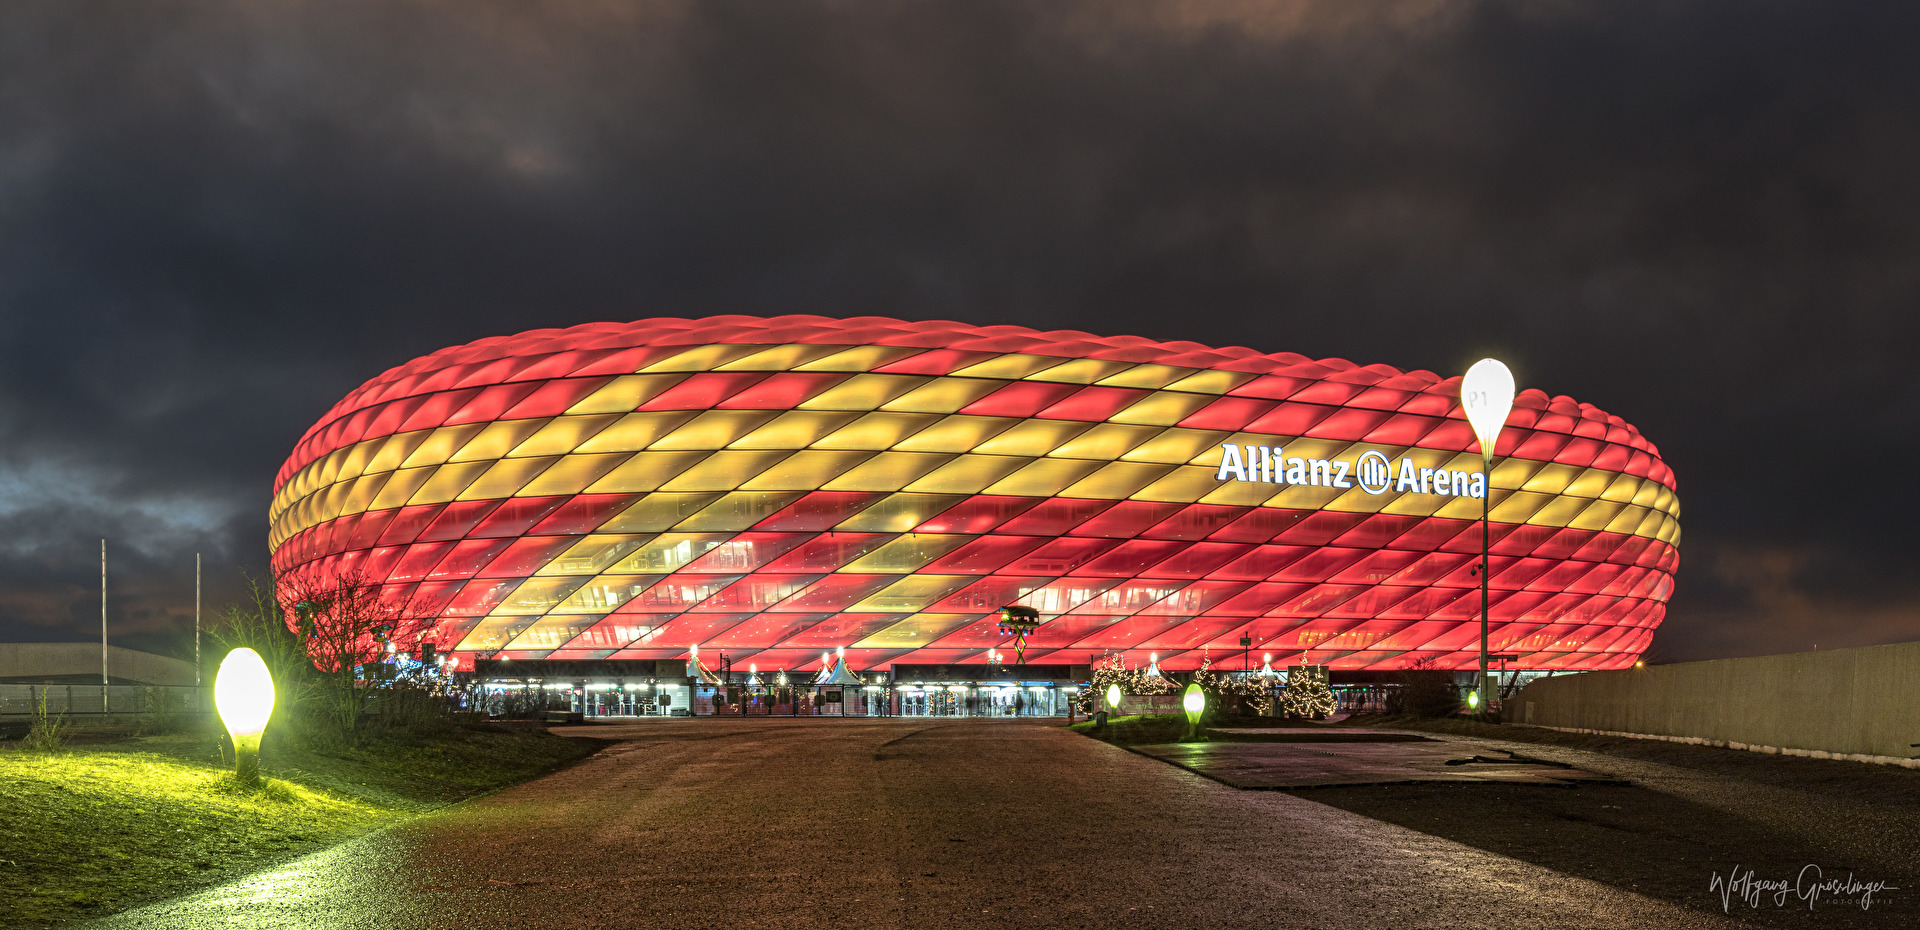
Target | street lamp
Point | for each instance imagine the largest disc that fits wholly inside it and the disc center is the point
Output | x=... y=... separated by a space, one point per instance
x=1486 y=393
x=243 y=694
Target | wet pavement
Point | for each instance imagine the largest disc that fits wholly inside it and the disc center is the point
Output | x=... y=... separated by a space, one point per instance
x=1332 y=757
x=897 y=823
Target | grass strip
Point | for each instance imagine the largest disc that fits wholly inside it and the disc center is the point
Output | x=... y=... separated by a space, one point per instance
x=101 y=828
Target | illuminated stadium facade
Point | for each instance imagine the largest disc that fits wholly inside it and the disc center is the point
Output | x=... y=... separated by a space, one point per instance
x=775 y=488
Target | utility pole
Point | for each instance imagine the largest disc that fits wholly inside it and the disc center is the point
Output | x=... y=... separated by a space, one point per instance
x=103 y=628
x=196 y=620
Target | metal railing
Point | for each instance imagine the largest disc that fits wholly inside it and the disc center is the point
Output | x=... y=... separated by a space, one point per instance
x=23 y=701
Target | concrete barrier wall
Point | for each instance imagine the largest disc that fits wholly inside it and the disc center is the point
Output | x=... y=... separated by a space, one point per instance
x=23 y=661
x=1863 y=701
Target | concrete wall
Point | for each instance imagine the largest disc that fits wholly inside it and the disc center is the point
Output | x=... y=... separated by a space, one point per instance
x=1852 y=702
x=58 y=661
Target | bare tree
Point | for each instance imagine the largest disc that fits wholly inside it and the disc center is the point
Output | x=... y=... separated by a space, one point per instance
x=347 y=629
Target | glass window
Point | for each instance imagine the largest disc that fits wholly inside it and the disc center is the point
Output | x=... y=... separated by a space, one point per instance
x=738 y=510
x=913 y=592
x=747 y=552
x=819 y=510
x=656 y=512
x=607 y=592
x=539 y=595
x=668 y=552
x=829 y=552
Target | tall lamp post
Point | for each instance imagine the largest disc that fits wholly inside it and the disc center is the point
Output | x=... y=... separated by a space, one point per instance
x=1487 y=395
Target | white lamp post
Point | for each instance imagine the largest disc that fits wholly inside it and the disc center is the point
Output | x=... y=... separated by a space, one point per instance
x=1486 y=393
x=243 y=694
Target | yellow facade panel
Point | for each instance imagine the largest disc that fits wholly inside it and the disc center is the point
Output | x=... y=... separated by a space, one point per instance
x=1621 y=489
x=552 y=632
x=562 y=435
x=898 y=513
x=1518 y=506
x=712 y=429
x=1179 y=446
x=1162 y=409
x=1558 y=511
x=804 y=471
x=494 y=633
x=1552 y=479
x=670 y=552
x=1295 y=497
x=496 y=440
x=781 y=358
x=1107 y=442
x=906 y=553
x=1512 y=474
x=1010 y=367
x=538 y=595
x=1116 y=480
x=1430 y=505
x=955 y=434
x=1187 y=484
x=720 y=471
x=354 y=464
x=1647 y=494
x=1044 y=478
x=399 y=489
x=1597 y=515
x=916 y=631
x=606 y=593
x=447 y=482
x=942 y=395
x=572 y=474
x=644 y=471
x=593 y=554
x=860 y=358
x=362 y=491
x=1151 y=377
x=702 y=358
x=657 y=513
x=967 y=474
x=396 y=449
x=635 y=431
x=876 y=431
x=1033 y=438
x=624 y=394
x=914 y=592
x=738 y=510
x=887 y=471
x=505 y=477
x=863 y=392
x=795 y=429
x=1212 y=381
x=1080 y=371
x=439 y=447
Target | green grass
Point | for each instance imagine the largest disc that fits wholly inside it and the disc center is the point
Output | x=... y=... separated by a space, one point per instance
x=99 y=828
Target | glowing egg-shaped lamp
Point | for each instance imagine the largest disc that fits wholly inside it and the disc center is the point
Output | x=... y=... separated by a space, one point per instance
x=1113 y=698
x=1194 y=701
x=243 y=694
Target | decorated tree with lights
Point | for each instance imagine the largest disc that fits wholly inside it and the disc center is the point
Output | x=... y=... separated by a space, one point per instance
x=1307 y=695
x=1114 y=670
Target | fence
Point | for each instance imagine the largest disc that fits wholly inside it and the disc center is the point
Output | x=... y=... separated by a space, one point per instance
x=22 y=701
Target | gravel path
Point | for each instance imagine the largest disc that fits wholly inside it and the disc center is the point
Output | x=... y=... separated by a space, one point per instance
x=899 y=823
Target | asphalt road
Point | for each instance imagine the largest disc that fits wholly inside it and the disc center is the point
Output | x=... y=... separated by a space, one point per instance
x=897 y=823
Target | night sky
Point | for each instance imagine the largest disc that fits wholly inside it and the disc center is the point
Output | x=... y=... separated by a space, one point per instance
x=216 y=218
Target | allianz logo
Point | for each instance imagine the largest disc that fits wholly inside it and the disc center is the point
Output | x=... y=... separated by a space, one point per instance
x=1371 y=472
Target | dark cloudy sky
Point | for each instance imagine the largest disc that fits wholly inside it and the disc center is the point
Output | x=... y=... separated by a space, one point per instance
x=217 y=217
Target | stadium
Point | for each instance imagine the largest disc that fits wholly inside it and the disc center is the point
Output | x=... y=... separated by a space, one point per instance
x=653 y=505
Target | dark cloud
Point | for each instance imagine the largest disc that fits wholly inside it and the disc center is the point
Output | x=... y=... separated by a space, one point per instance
x=218 y=217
